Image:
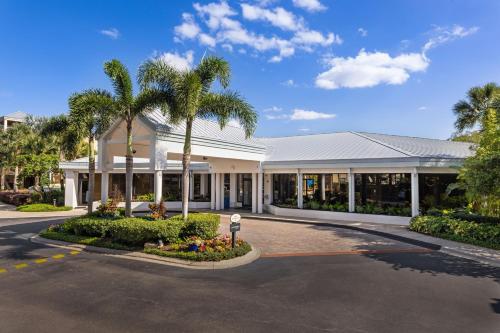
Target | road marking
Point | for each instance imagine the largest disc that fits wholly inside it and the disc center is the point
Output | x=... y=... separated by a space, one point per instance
x=74 y=252
x=336 y=253
x=58 y=256
x=3 y=270
x=21 y=265
x=40 y=261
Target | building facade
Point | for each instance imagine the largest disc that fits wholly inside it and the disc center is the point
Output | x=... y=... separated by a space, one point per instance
x=343 y=176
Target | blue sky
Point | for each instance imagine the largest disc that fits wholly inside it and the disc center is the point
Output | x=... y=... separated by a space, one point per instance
x=307 y=66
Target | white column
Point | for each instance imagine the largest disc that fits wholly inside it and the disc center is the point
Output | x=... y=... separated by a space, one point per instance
x=203 y=185
x=212 y=191
x=232 y=189
x=415 y=207
x=260 y=191
x=351 y=192
x=5 y=124
x=70 y=189
x=191 y=186
x=323 y=179
x=104 y=186
x=254 y=193
x=300 y=198
x=268 y=188
x=158 y=186
x=217 y=191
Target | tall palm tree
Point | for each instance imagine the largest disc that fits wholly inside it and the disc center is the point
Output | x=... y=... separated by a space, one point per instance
x=472 y=112
x=128 y=107
x=90 y=115
x=187 y=95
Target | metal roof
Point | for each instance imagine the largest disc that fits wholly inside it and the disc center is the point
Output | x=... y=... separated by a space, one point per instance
x=19 y=115
x=360 y=146
x=204 y=129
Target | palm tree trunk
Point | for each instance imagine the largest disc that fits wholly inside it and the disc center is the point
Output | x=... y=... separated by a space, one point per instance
x=186 y=160
x=16 y=174
x=90 y=202
x=129 y=171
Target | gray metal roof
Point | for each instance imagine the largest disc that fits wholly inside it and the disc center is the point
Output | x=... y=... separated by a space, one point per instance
x=18 y=115
x=423 y=147
x=202 y=128
x=356 y=146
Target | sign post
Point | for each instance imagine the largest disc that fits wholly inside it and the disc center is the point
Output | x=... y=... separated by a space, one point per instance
x=233 y=227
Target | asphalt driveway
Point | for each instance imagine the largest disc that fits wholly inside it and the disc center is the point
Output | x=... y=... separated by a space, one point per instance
x=366 y=292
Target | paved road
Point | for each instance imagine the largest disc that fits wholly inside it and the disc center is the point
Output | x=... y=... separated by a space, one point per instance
x=391 y=292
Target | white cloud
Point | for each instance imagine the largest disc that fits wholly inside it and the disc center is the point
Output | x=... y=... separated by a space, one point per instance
x=370 y=69
x=278 y=17
x=227 y=47
x=112 y=33
x=299 y=114
x=363 y=32
x=289 y=83
x=188 y=29
x=304 y=129
x=178 y=61
x=225 y=29
x=309 y=5
x=273 y=109
x=422 y=108
x=277 y=117
x=444 y=34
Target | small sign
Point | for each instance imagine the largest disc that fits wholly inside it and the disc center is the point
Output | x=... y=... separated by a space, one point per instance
x=235 y=218
x=233 y=227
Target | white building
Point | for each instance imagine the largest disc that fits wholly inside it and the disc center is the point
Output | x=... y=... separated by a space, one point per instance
x=343 y=176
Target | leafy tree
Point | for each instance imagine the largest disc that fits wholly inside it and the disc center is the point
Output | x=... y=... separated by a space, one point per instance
x=128 y=107
x=13 y=142
x=481 y=172
x=187 y=94
x=472 y=136
x=472 y=112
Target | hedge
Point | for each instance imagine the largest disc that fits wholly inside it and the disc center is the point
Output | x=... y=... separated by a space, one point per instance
x=205 y=226
x=482 y=234
x=137 y=231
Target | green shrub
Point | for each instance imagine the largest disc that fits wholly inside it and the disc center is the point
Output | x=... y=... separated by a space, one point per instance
x=315 y=204
x=205 y=226
x=136 y=231
x=483 y=234
x=36 y=197
x=93 y=226
x=41 y=207
x=148 y=197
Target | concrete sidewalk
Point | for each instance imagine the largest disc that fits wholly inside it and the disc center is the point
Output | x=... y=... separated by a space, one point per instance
x=472 y=252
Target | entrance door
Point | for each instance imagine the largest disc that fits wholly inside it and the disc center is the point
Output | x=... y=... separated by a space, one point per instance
x=226 y=190
x=247 y=192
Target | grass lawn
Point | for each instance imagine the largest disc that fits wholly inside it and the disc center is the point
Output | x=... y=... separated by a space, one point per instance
x=42 y=208
x=86 y=240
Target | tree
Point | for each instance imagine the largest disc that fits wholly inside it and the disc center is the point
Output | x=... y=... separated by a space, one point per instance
x=128 y=107
x=472 y=112
x=186 y=95
x=480 y=174
x=14 y=142
x=90 y=115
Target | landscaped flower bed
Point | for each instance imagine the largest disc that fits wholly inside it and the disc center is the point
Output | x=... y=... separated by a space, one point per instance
x=197 y=239
x=41 y=207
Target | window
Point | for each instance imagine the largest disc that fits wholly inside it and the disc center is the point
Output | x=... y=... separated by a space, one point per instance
x=172 y=187
x=387 y=189
x=336 y=188
x=285 y=190
x=433 y=192
x=143 y=183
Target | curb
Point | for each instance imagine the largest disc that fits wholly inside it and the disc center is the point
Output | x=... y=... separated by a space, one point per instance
x=248 y=258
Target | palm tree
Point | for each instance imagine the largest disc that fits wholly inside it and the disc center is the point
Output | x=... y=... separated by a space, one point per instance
x=187 y=95
x=473 y=111
x=90 y=115
x=17 y=139
x=128 y=107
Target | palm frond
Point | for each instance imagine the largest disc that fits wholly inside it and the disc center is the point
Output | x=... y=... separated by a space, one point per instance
x=213 y=68
x=120 y=78
x=156 y=73
x=226 y=106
